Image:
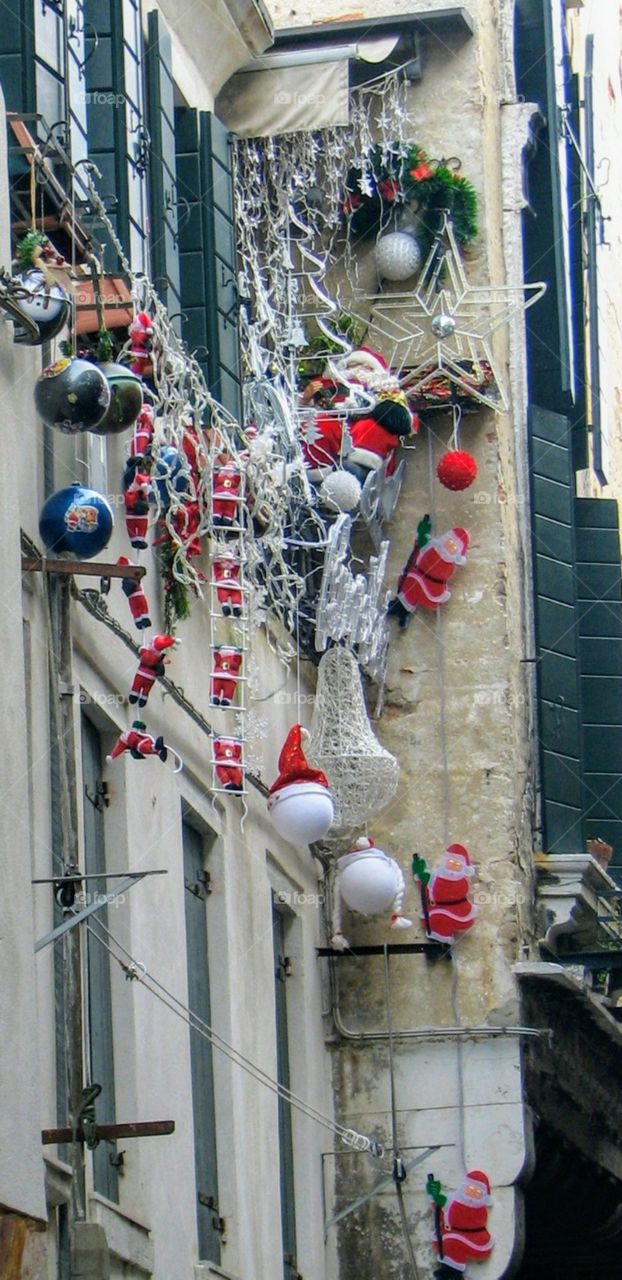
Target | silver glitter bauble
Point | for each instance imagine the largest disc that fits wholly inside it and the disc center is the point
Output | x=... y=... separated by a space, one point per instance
x=398 y=256
x=443 y=326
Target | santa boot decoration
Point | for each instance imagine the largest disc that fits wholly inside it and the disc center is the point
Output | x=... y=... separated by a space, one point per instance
x=151 y=665
x=228 y=763
x=428 y=570
x=137 y=600
x=136 y=490
x=226 y=572
x=225 y=675
x=369 y=882
x=300 y=805
x=461 y=1234
x=447 y=909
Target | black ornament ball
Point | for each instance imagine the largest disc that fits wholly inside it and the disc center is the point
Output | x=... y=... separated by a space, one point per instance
x=72 y=395
x=126 y=399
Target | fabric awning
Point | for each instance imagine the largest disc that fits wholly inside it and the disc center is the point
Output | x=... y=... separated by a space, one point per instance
x=255 y=104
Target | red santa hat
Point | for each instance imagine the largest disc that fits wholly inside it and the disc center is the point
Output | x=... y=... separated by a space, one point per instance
x=160 y=643
x=475 y=1187
x=293 y=764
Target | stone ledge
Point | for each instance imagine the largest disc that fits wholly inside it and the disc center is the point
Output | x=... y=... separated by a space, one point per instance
x=128 y=1239
x=568 y=892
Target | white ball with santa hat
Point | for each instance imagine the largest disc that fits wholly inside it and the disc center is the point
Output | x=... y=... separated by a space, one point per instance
x=300 y=804
x=369 y=882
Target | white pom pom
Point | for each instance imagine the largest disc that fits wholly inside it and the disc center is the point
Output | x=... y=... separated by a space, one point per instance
x=401 y=922
x=341 y=490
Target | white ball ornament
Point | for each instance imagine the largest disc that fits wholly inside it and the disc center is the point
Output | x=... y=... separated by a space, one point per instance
x=302 y=812
x=397 y=256
x=342 y=490
x=371 y=883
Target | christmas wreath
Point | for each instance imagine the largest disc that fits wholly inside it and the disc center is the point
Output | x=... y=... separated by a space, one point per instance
x=405 y=176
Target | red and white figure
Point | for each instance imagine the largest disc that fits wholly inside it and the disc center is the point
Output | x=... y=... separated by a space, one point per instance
x=137 y=600
x=428 y=572
x=226 y=672
x=139 y=743
x=300 y=805
x=136 y=490
x=141 y=333
x=187 y=523
x=448 y=909
x=463 y=1226
x=150 y=667
x=226 y=495
x=370 y=883
x=228 y=761
x=226 y=574
x=377 y=434
x=140 y=444
x=321 y=441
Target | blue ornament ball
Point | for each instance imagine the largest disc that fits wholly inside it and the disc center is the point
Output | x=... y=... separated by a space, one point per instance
x=77 y=522
x=169 y=472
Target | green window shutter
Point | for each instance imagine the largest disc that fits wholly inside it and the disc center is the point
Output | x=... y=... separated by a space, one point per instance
x=101 y=1051
x=105 y=85
x=207 y=245
x=17 y=55
x=202 y=1070
x=600 y=639
x=286 y=1141
x=162 y=170
x=559 y=711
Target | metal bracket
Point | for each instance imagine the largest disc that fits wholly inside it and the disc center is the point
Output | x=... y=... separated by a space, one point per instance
x=102 y=901
x=382 y=1185
x=101 y=799
x=201 y=887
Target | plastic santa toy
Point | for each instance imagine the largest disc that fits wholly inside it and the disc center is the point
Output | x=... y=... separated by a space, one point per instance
x=151 y=665
x=137 y=600
x=225 y=675
x=226 y=495
x=226 y=572
x=186 y=523
x=136 y=490
x=300 y=805
x=139 y=743
x=428 y=570
x=462 y=1234
x=447 y=909
x=377 y=434
x=321 y=432
x=141 y=333
x=228 y=763
x=140 y=444
x=370 y=882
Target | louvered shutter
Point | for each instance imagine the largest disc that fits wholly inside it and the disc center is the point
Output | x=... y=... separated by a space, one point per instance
x=162 y=169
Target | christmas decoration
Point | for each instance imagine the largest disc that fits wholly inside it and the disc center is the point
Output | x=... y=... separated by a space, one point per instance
x=141 y=334
x=150 y=666
x=376 y=436
x=342 y=490
x=461 y=1224
x=141 y=442
x=300 y=804
x=45 y=304
x=227 y=758
x=370 y=882
x=321 y=440
x=225 y=675
x=76 y=521
x=456 y=470
x=136 y=492
x=137 y=600
x=226 y=570
x=398 y=256
x=226 y=495
x=141 y=744
x=447 y=909
x=429 y=568
x=72 y=395
x=362 y=775
x=126 y=398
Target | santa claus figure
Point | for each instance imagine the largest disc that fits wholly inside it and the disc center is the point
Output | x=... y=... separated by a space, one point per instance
x=462 y=1235
x=137 y=600
x=447 y=909
x=140 y=444
x=141 y=333
x=186 y=523
x=370 y=882
x=300 y=805
x=226 y=495
x=139 y=743
x=136 y=490
x=228 y=763
x=226 y=571
x=430 y=567
x=151 y=665
x=377 y=434
x=225 y=675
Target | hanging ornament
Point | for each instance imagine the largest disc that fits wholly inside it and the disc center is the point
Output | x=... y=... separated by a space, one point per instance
x=446 y=907
x=456 y=469
x=226 y=572
x=227 y=758
x=398 y=256
x=45 y=304
x=136 y=492
x=342 y=490
x=369 y=882
x=72 y=395
x=76 y=521
x=300 y=804
x=226 y=495
x=150 y=666
x=137 y=600
x=142 y=439
x=461 y=1224
x=141 y=744
x=126 y=399
x=226 y=672
x=141 y=334
x=362 y=775
x=429 y=568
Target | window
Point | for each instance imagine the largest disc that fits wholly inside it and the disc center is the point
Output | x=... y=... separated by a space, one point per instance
x=286 y=1144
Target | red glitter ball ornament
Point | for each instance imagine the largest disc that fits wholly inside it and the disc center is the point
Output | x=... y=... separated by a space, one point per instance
x=456 y=469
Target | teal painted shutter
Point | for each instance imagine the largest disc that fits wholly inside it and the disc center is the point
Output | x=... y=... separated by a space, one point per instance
x=194 y=211
x=286 y=1144
x=17 y=55
x=105 y=87
x=203 y=1107
x=556 y=632
x=101 y=1052
x=600 y=631
x=162 y=171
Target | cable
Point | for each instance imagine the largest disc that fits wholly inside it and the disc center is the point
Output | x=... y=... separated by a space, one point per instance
x=398 y=1172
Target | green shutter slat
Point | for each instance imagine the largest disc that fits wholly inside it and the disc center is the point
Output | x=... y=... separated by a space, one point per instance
x=163 y=192
x=104 y=74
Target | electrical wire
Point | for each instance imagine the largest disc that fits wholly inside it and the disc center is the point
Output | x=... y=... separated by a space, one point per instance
x=398 y=1176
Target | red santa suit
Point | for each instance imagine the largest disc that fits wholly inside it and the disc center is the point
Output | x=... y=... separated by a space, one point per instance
x=228 y=763
x=376 y=436
x=429 y=570
x=226 y=495
x=136 y=499
x=463 y=1225
x=225 y=675
x=151 y=665
x=186 y=523
x=141 y=333
x=321 y=438
x=140 y=443
x=448 y=909
x=139 y=744
x=226 y=572
x=137 y=600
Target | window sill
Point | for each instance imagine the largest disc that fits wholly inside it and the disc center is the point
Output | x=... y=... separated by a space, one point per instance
x=128 y=1239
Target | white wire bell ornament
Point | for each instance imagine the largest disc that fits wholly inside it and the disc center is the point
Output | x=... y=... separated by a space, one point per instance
x=362 y=774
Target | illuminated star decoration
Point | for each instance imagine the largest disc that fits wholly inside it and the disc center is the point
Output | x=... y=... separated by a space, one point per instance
x=442 y=330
